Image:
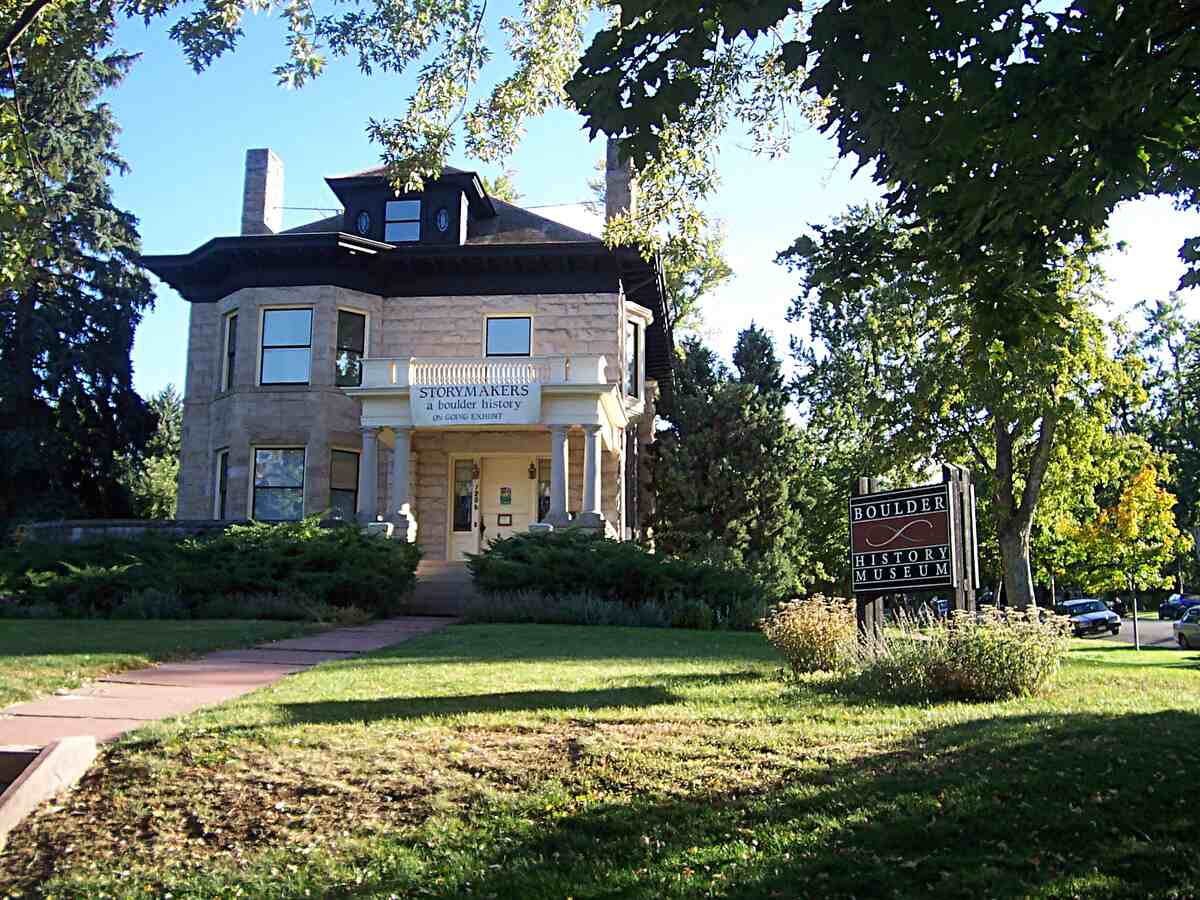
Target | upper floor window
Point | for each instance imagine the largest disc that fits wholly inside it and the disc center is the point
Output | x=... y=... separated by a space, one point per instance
x=402 y=220
x=278 y=484
x=633 y=358
x=351 y=347
x=230 y=358
x=286 y=346
x=509 y=336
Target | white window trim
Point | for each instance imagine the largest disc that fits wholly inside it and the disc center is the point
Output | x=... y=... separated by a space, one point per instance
x=225 y=385
x=644 y=319
x=366 y=335
x=254 y=448
x=639 y=336
x=508 y=315
x=312 y=331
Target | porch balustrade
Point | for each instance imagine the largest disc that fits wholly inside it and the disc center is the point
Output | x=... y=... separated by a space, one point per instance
x=394 y=372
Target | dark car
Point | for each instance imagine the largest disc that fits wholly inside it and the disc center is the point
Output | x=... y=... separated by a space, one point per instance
x=1176 y=605
x=1089 y=616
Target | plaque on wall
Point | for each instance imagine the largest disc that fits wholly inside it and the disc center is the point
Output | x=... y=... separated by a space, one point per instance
x=504 y=519
x=506 y=496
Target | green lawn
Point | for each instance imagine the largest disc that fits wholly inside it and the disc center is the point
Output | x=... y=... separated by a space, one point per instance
x=551 y=762
x=38 y=656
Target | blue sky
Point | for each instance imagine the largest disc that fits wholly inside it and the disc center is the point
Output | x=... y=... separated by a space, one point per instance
x=185 y=136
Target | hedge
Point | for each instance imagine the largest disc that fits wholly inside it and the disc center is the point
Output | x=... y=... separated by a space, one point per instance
x=339 y=567
x=571 y=562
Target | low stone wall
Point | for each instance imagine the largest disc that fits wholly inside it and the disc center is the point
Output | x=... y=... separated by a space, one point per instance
x=82 y=531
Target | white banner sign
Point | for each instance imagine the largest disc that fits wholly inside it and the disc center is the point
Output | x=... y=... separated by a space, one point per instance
x=438 y=405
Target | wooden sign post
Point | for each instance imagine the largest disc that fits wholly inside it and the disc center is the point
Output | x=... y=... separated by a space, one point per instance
x=920 y=538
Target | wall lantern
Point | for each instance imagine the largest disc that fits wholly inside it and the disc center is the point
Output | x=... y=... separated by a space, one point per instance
x=475 y=471
x=532 y=471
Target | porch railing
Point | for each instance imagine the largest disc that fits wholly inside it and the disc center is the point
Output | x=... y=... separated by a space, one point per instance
x=383 y=372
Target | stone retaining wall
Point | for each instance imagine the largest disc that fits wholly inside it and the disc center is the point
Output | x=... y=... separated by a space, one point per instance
x=82 y=531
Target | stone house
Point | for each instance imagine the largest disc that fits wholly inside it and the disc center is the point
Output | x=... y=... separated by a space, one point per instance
x=443 y=361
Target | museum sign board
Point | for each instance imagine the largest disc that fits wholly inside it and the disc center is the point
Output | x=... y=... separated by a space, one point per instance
x=904 y=540
x=500 y=403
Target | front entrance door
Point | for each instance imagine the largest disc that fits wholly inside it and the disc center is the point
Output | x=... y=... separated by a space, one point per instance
x=506 y=497
x=464 y=508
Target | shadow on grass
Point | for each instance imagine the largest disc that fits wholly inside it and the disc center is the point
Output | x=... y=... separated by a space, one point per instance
x=1055 y=805
x=334 y=711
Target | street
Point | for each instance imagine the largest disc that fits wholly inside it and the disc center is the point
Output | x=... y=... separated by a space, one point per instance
x=1154 y=633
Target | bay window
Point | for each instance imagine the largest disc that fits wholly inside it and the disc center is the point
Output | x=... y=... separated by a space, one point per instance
x=343 y=484
x=286 y=346
x=351 y=348
x=278 y=484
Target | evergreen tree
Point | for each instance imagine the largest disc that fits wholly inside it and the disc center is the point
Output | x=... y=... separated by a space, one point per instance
x=153 y=480
x=730 y=472
x=71 y=292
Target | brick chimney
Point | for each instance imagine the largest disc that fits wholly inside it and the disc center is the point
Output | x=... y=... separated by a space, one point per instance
x=262 y=195
x=620 y=191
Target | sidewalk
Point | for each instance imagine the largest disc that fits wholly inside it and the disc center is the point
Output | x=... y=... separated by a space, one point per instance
x=112 y=705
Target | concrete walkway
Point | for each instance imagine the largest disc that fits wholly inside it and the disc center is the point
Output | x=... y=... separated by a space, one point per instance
x=115 y=704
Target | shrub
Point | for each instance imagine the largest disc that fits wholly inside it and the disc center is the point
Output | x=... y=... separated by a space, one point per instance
x=990 y=655
x=335 y=568
x=570 y=609
x=152 y=603
x=571 y=561
x=816 y=634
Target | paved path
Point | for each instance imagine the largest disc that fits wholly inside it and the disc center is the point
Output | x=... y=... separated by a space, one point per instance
x=1153 y=632
x=115 y=704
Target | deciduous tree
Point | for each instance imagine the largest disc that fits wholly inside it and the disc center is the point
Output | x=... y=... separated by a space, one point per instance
x=1014 y=126
x=1131 y=543
x=932 y=385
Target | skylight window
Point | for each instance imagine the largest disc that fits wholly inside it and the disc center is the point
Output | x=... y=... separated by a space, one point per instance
x=402 y=221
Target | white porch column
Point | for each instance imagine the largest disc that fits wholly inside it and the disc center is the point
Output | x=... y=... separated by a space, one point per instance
x=401 y=508
x=559 y=463
x=591 y=513
x=368 y=476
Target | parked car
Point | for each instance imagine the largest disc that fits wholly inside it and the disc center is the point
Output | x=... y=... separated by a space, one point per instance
x=1089 y=616
x=1176 y=605
x=1187 y=629
x=1119 y=606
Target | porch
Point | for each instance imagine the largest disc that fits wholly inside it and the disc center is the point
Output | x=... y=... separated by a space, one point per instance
x=481 y=448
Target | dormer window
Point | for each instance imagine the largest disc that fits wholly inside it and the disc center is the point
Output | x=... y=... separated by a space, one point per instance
x=402 y=221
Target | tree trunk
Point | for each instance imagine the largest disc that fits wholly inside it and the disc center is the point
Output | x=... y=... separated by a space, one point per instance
x=1015 y=519
x=1018 y=577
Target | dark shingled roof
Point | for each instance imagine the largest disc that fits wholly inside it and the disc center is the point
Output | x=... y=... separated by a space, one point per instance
x=511 y=225
x=381 y=171
x=514 y=225
x=321 y=226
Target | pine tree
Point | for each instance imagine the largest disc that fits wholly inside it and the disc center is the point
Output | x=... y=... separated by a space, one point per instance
x=153 y=480
x=730 y=473
x=71 y=292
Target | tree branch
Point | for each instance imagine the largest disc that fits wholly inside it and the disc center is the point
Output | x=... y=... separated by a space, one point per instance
x=1037 y=467
x=24 y=20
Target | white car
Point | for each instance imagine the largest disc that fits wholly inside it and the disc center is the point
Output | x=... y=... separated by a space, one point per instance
x=1089 y=616
x=1187 y=629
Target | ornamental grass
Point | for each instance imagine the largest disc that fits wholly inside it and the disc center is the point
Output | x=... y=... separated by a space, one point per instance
x=987 y=655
